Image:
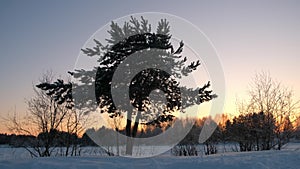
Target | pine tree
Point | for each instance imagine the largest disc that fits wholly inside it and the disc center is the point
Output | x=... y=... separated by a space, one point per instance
x=136 y=37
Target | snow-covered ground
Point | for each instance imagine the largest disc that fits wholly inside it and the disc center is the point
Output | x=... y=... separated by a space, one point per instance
x=288 y=158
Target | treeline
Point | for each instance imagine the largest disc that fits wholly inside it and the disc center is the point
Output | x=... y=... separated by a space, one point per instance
x=60 y=139
x=252 y=132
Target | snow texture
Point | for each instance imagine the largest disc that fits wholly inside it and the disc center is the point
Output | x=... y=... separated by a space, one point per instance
x=289 y=158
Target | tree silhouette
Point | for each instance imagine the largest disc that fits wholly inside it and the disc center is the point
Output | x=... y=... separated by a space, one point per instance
x=154 y=49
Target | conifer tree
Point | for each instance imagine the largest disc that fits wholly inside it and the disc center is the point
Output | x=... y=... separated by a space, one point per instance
x=136 y=37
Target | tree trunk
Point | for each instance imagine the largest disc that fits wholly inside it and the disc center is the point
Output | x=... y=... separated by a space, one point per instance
x=118 y=145
x=136 y=124
x=128 y=134
x=131 y=133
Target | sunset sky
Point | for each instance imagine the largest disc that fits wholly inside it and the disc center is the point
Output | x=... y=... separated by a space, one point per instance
x=249 y=36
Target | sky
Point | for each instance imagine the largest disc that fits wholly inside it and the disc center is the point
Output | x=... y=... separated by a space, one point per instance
x=249 y=36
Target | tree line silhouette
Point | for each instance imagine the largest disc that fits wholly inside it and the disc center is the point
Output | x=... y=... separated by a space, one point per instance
x=252 y=132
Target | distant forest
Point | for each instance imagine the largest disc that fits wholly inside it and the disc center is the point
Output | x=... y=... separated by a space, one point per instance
x=252 y=132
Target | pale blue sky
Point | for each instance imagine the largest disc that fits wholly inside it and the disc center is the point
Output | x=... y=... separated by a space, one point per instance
x=249 y=36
